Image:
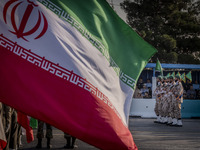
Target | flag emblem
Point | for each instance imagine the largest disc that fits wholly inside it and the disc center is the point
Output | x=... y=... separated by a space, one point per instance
x=20 y=31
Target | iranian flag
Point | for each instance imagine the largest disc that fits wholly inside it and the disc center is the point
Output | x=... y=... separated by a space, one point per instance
x=73 y=64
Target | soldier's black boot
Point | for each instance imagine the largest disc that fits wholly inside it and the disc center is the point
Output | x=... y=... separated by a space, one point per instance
x=73 y=142
x=39 y=145
x=49 y=143
x=67 y=146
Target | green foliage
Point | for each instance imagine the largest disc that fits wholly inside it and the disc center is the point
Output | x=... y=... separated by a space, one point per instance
x=189 y=44
x=170 y=26
x=168 y=42
x=172 y=57
x=187 y=59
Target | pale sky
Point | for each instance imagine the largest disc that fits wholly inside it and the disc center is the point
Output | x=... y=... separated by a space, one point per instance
x=117 y=8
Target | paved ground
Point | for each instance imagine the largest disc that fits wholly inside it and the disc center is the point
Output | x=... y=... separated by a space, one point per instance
x=151 y=136
x=147 y=136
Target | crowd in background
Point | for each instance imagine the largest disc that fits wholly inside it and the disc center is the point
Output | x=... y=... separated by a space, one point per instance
x=144 y=89
x=191 y=90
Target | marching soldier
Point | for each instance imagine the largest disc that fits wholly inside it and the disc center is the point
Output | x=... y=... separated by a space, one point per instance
x=40 y=134
x=170 y=97
x=163 y=99
x=176 y=105
x=158 y=97
x=166 y=101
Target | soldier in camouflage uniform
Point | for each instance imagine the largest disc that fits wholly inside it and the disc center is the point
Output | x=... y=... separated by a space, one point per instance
x=40 y=134
x=166 y=99
x=10 y=125
x=158 y=97
x=2 y=133
x=162 y=99
x=176 y=105
x=14 y=131
x=6 y=119
x=170 y=97
x=160 y=104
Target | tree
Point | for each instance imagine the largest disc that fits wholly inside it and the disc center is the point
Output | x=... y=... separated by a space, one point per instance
x=171 y=26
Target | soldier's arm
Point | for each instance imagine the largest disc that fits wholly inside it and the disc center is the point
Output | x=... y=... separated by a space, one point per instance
x=8 y=115
x=180 y=90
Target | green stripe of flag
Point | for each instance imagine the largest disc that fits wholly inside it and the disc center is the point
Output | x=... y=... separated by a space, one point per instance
x=126 y=51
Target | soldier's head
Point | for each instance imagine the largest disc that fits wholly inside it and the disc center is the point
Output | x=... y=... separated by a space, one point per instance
x=177 y=78
x=164 y=79
x=171 y=78
x=159 y=78
x=167 y=79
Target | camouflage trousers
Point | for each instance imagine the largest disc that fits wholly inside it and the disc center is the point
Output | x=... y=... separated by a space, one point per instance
x=40 y=132
x=160 y=105
x=156 y=108
x=169 y=109
x=165 y=108
x=176 y=109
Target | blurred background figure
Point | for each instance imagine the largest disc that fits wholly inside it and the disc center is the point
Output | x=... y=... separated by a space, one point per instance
x=70 y=141
x=149 y=84
x=191 y=93
x=137 y=93
x=144 y=90
x=40 y=134
x=140 y=83
x=196 y=85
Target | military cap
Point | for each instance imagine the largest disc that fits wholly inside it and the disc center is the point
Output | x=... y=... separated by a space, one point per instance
x=171 y=77
x=178 y=77
x=164 y=78
x=160 y=77
x=168 y=77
